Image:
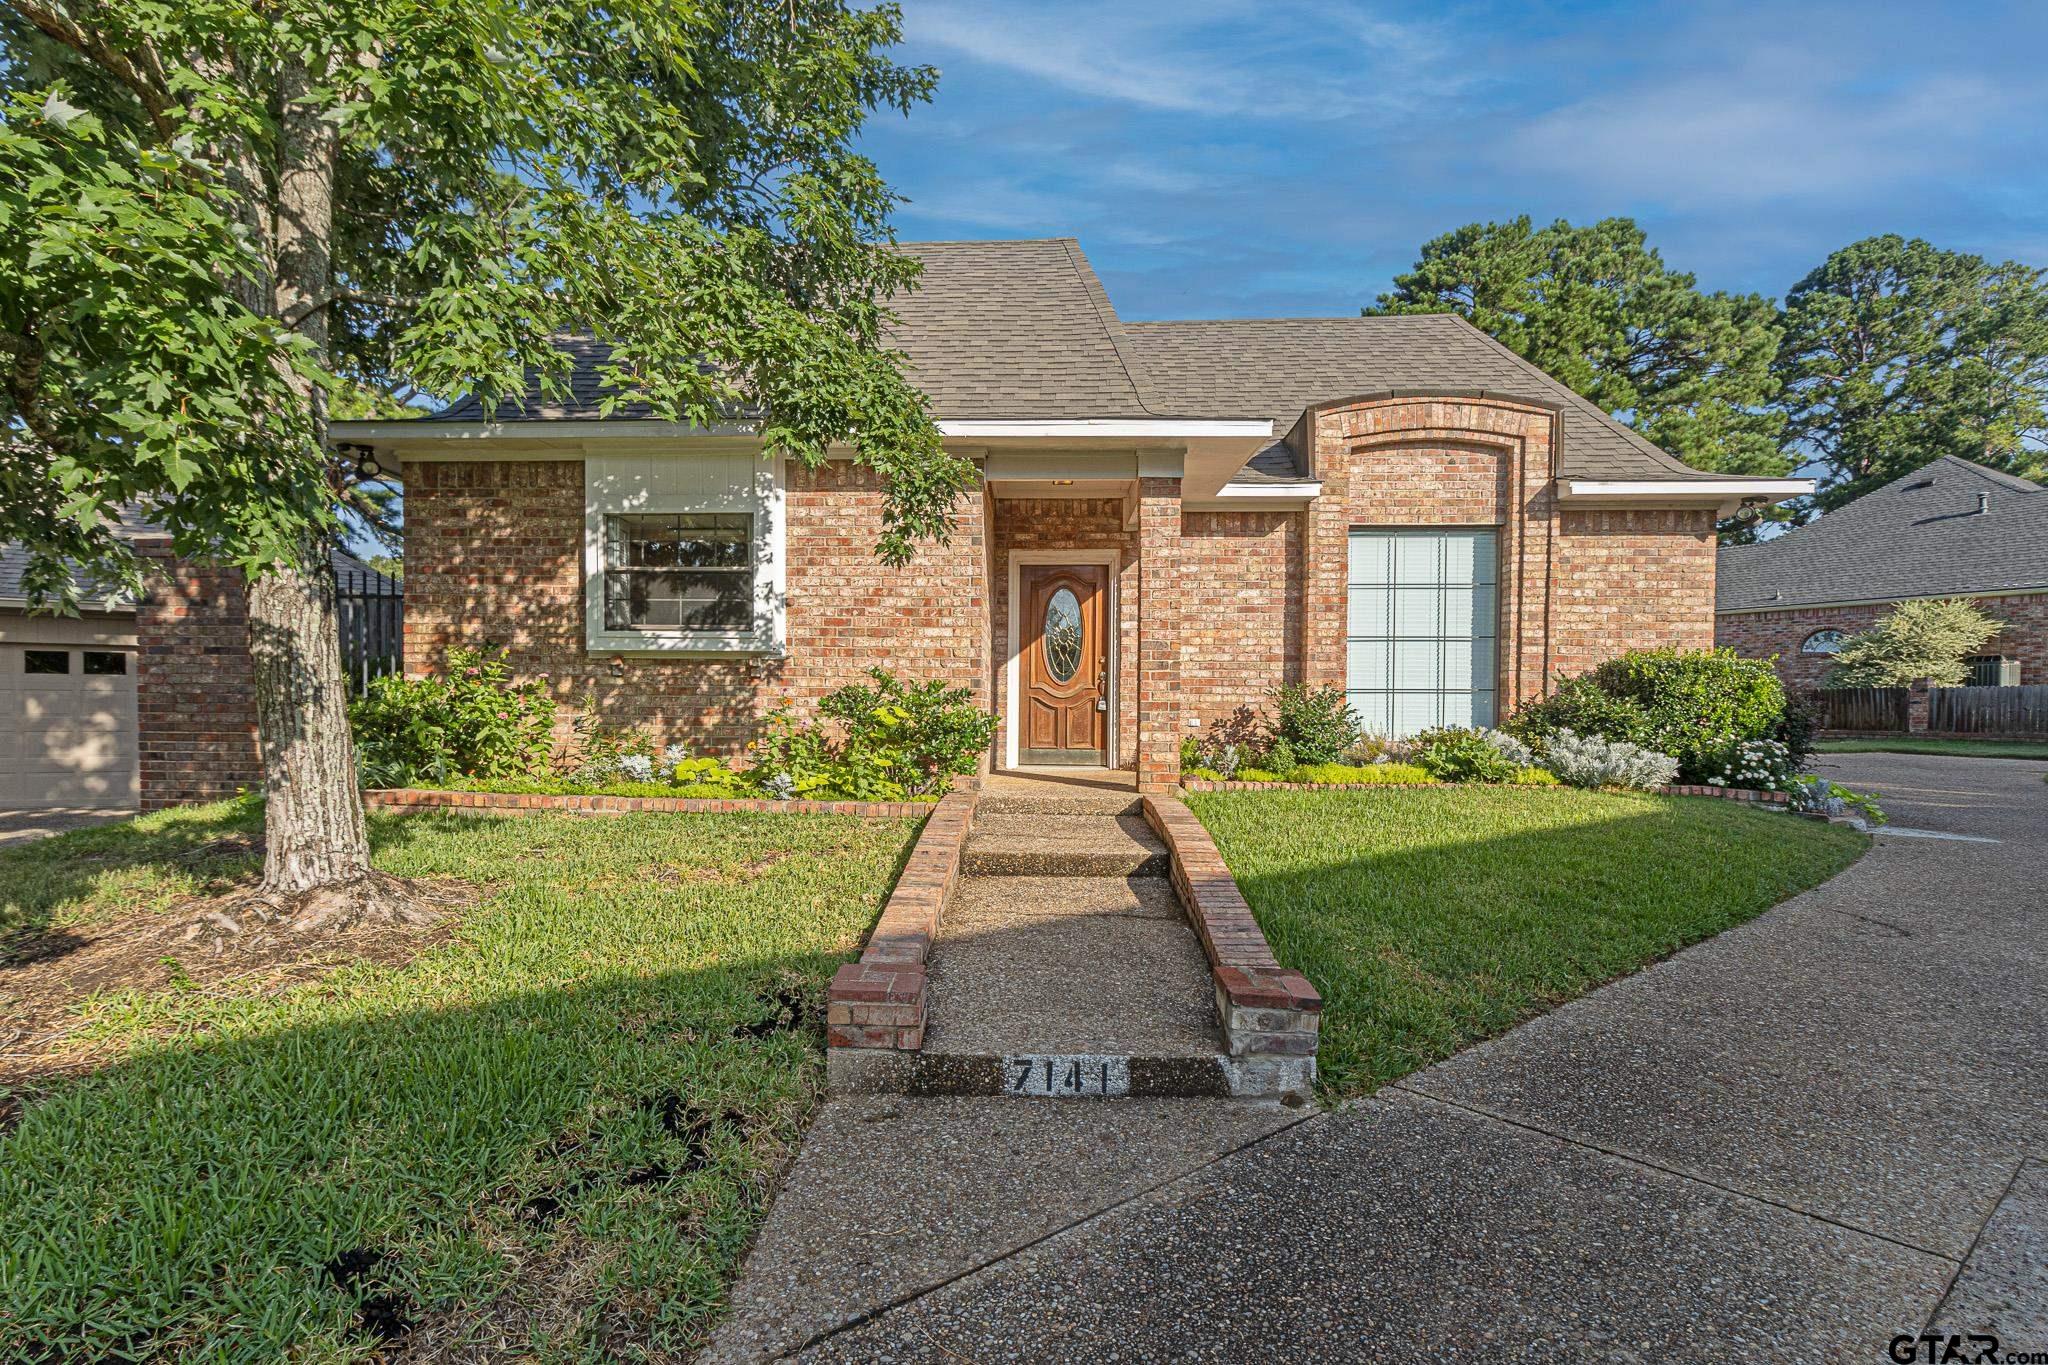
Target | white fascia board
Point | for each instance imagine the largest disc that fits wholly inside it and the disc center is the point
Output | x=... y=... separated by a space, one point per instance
x=1774 y=489
x=1148 y=428
x=1151 y=428
x=1272 y=497
x=412 y=430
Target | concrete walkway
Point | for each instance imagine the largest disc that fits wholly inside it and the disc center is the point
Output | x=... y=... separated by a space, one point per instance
x=25 y=826
x=1814 y=1133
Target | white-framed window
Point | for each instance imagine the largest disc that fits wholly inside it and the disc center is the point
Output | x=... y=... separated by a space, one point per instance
x=1422 y=619
x=1823 y=642
x=684 y=552
x=687 y=571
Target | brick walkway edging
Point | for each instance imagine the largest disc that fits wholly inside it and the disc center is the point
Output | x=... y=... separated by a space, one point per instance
x=434 y=798
x=879 y=1001
x=1269 y=1015
x=1202 y=784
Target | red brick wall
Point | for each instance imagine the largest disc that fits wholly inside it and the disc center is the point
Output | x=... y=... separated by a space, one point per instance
x=195 y=691
x=1241 y=597
x=1628 y=579
x=1761 y=634
x=1161 y=581
x=494 y=555
x=1070 y=524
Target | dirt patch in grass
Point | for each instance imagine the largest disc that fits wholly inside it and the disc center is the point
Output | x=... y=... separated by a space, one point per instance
x=46 y=976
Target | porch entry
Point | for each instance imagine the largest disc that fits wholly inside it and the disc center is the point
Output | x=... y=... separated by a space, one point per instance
x=1063 y=664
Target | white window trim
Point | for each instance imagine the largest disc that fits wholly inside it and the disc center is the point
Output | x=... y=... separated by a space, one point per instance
x=771 y=570
x=1013 y=665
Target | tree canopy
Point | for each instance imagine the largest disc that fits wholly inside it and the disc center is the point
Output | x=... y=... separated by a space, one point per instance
x=1929 y=638
x=676 y=179
x=1596 y=307
x=1897 y=352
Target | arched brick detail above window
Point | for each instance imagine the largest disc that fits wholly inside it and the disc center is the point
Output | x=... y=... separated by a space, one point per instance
x=1422 y=460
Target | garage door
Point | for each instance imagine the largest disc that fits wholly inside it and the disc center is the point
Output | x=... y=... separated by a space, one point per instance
x=1420 y=632
x=68 y=737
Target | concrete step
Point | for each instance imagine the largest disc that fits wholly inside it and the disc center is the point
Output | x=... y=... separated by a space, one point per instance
x=1041 y=845
x=1075 y=801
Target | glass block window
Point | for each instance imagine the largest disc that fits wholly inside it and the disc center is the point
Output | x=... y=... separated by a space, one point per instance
x=679 y=571
x=1420 y=639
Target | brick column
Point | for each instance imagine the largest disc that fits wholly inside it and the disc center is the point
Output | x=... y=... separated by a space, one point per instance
x=195 y=685
x=1159 y=607
x=1917 y=703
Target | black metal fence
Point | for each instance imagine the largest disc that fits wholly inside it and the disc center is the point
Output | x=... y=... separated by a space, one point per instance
x=1875 y=709
x=1988 y=710
x=372 y=608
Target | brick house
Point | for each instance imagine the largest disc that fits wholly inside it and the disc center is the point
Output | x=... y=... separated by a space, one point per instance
x=1174 y=517
x=1949 y=529
x=146 y=701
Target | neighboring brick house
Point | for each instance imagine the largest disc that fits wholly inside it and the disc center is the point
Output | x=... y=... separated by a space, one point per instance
x=1949 y=529
x=146 y=702
x=1174 y=517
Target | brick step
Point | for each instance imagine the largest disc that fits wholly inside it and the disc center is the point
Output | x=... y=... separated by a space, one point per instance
x=1040 y=845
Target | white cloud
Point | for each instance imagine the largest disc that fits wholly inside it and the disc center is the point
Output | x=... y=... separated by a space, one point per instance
x=1223 y=58
x=1769 y=130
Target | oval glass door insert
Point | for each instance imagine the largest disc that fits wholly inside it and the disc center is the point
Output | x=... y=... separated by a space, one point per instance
x=1063 y=635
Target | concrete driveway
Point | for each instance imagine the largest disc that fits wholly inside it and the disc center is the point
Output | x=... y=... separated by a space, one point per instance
x=1813 y=1134
x=20 y=826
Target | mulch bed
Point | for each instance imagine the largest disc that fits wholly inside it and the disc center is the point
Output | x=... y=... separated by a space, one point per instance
x=46 y=977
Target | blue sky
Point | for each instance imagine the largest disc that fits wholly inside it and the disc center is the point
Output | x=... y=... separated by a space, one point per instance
x=1221 y=159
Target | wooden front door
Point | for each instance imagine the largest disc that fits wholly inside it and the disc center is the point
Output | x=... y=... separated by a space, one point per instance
x=1065 y=667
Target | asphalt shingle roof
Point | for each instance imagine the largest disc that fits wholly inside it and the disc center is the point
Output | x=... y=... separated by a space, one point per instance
x=1919 y=536
x=1277 y=367
x=1021 y=329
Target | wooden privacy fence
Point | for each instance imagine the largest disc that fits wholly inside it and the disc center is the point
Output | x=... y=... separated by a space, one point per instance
x=1988 y=710
x=372 y=609
x=1880 y=709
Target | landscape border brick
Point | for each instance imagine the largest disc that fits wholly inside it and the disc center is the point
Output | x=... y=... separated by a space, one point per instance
x=429 y=798
x=1197 y=784
x=1267 y=1012
x=879 y=1001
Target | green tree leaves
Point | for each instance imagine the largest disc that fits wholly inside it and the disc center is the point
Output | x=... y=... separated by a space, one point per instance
x=1928 y=638
x=1597 y=308
x=1897 y=352
x=677 y=179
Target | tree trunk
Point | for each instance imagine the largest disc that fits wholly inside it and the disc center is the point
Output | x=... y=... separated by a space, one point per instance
x=313 y=824
x=314 y=837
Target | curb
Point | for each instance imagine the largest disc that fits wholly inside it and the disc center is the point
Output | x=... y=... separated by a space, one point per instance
x=879 y=1001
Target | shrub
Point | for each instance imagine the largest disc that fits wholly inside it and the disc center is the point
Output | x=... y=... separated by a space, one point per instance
x=1596 y=761
x=1685 y=703
x=1534 y=777
x=1257 y=775
x=924 y=734
x=1452 y=754
x=1375 y=774
x=1315 y=723
x=471 y=720
x=1924 y=639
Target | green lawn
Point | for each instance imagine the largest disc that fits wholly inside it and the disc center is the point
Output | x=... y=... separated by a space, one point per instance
x=1953 y=748
x=557 y=1129
x=1433 y=918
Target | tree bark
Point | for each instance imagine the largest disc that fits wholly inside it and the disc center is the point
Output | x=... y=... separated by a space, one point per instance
x=314 y=836
x=313 y=825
